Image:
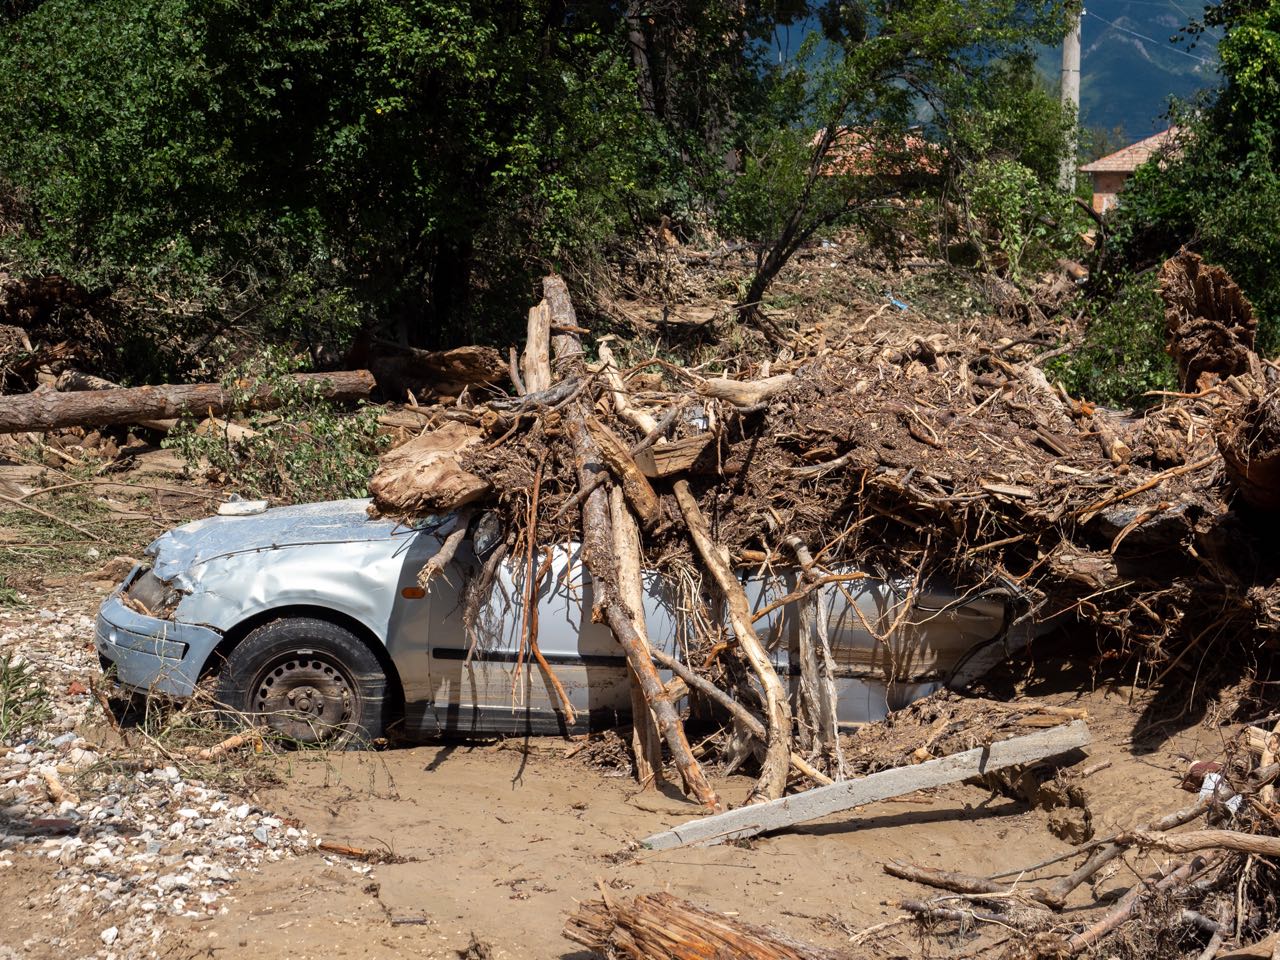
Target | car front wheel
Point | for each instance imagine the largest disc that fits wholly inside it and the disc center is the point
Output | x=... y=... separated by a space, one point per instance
x=308 y=680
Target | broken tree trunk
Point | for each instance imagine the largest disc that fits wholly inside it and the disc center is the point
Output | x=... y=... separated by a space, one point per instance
x=1210 y=326
x=535 y=363
x=645 y=738
x=424 y=475
x=816 y=658
x=824 y=801
x=1209 y=323
x=52 y=410
x=659 y=926
x=622 y=465
x=598 y=545
x=1249 y=440
x=773 y=771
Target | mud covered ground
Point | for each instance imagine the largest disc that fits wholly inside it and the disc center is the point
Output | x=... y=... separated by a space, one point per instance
x=494 y=841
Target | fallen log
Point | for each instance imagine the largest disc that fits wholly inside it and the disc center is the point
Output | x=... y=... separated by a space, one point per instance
x=824 y=801
x=773 y=771
x=659 y=926
x=1263 y=846
x=638 y=490
x=51 y=410
x=599 y=543
x=646 y=741
x=399 y=368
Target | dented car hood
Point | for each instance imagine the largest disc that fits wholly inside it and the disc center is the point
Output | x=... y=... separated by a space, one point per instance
x=174 y=554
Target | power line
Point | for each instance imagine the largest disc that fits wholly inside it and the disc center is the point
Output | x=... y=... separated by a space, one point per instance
x=1162 y=4
x=1143 y=36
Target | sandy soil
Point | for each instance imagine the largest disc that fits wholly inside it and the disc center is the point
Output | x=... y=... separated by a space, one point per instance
x=499 y=842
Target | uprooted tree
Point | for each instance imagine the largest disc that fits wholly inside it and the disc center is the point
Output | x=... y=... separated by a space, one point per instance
x=930 y=454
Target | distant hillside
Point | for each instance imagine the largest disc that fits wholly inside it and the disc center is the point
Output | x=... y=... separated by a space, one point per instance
x=1128 y=68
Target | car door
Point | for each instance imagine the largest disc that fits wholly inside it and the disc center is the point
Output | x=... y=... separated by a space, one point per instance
x=492 y=683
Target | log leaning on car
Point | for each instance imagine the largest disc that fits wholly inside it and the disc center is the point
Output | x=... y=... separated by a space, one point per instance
x=599 y=543
x=52 y=410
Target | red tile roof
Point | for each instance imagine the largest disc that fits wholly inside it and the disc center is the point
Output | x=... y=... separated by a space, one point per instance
x=857 y=152
x=1133 y=156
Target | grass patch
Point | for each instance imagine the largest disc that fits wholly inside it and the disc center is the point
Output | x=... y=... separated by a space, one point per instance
x=36 y=545
x=24 y=702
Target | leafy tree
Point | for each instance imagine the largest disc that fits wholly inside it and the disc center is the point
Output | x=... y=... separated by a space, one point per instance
x=888 y=102
x=311 y=165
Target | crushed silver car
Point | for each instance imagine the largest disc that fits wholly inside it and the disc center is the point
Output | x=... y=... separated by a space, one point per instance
x=311 y=619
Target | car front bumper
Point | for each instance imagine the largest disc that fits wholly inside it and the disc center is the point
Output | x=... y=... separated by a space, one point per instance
x=148 y=654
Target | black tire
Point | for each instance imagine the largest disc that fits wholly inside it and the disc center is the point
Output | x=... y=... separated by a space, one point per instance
x=309 y=680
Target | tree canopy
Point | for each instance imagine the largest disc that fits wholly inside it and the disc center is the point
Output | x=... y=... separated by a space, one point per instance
x=321 y=166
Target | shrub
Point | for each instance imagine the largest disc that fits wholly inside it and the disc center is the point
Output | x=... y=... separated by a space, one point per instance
x=24 y=702
x=306 y=448
x=1123 y=353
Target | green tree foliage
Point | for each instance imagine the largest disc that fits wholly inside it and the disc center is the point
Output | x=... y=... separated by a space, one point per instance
x=315 y=162
x=1219 y=190
x=902 y=92
x=305 y=168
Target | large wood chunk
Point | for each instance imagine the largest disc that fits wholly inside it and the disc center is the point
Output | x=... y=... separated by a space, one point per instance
x=424 y=475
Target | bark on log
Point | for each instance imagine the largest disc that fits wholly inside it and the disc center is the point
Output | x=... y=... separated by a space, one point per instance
x=52 y=410
x=73 y=381
x=662 y=927
x=646 y=741
x=598 y=549
x=942 y=879
x=398 y=368
x=816 y=659
x=1263 y=846
x=773 y=773
x=638 y=490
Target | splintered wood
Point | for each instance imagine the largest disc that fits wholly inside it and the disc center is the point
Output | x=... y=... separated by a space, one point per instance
x=662 y=927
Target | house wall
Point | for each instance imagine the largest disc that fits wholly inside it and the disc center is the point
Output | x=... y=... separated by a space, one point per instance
x=1106 y=185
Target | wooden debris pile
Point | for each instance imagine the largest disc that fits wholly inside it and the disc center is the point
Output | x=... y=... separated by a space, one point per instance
x=1202 y=884
x=922 y=452
x=1212 y=887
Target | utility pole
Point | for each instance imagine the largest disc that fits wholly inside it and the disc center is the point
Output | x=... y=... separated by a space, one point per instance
x=1071 y=98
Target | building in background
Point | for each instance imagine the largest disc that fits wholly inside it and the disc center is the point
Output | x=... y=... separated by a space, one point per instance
x=1109 y=173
